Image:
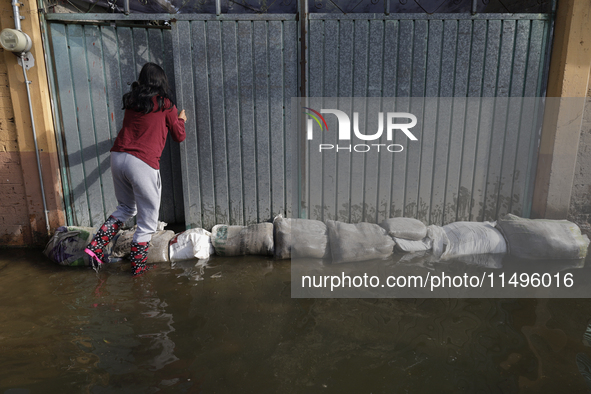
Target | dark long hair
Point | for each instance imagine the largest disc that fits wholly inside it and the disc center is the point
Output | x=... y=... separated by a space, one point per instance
x=152 y=82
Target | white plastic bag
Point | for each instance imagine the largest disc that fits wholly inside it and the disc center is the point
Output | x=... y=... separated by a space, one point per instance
x=193 y=243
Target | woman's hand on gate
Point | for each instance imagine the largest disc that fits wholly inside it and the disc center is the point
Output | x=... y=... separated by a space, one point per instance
x=183 y=116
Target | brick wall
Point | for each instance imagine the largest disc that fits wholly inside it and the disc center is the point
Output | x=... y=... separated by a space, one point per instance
x=14 y=221
x=22 y=216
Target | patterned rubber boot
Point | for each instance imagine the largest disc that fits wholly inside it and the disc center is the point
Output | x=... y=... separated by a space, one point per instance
x=101 y=239
x=138 y=257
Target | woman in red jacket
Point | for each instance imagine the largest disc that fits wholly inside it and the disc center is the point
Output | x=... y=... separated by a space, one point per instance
x=135 y=164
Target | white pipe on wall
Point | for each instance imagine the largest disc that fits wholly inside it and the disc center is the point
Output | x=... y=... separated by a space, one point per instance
x=17 y=26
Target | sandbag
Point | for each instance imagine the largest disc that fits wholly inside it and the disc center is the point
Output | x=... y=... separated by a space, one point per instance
x=243 y=240
x=408 y=246
x=190 y=244
x=470 y=238
x=158 y=251
x=66 y=246
x=405 y=228
x=123 y=244
x=300 y=238
x=435 y=240
x=543 y=238
x=438 y=239
x=358 y=242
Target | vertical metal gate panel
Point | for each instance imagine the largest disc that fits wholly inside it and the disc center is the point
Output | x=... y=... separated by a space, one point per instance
x=94 y=66
x=235 y=75
x=473 y=160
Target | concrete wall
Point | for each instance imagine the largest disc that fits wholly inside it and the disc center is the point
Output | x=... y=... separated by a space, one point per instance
x=580 y=204
x=22 y=219
x=568 y=80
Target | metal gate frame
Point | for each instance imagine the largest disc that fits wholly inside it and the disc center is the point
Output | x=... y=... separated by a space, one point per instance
x=194 y=212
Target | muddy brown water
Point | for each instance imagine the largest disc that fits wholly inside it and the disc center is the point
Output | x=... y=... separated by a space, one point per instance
x=231 y=326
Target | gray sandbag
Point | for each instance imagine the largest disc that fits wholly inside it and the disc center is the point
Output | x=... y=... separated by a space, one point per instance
x=243 y=240
x=66 y=246
x=405 y=228
x=435 y=240
x=409 y=246
x=543 y=238
x=358 y=242
x=472 y=238
x=300 y=238
x=123 y=244
x=158 y=251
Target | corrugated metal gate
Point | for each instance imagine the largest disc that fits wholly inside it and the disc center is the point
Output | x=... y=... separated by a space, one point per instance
x=93 y=67
x=236 y=78
x=236 y=74
x=472 y=172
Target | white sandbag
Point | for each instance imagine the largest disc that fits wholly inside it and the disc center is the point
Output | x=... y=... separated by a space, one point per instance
x=435 y=240
x=190 y=244
x=408 y=246
x=298 y=238
x=438 y=239
x=243 y=240
x=469 y=238
x=543 y=238
x=358 y=242
x=405 y=228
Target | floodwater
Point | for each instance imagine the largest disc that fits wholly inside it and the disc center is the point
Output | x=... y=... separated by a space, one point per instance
x=231 y=326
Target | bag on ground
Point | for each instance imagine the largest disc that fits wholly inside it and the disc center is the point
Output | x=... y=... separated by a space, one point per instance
x=438 y=239
x=408 y=246
x=190 y=244
x=158 y=251
x=405 y=228
x=471 y=238
x=358 y=242
x=243 y=240
x=66 y=246
x=543 y=238
x=298 y=238
x=435 y=240
x=123 y=244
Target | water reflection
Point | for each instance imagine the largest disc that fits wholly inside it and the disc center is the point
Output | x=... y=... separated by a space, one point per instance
x=230 y=325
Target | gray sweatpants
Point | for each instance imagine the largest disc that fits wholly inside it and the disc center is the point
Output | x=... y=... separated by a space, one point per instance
x=137 y=188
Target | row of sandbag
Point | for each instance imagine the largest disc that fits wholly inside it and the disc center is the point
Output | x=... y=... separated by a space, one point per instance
x=342 y=242
x=345 y=242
